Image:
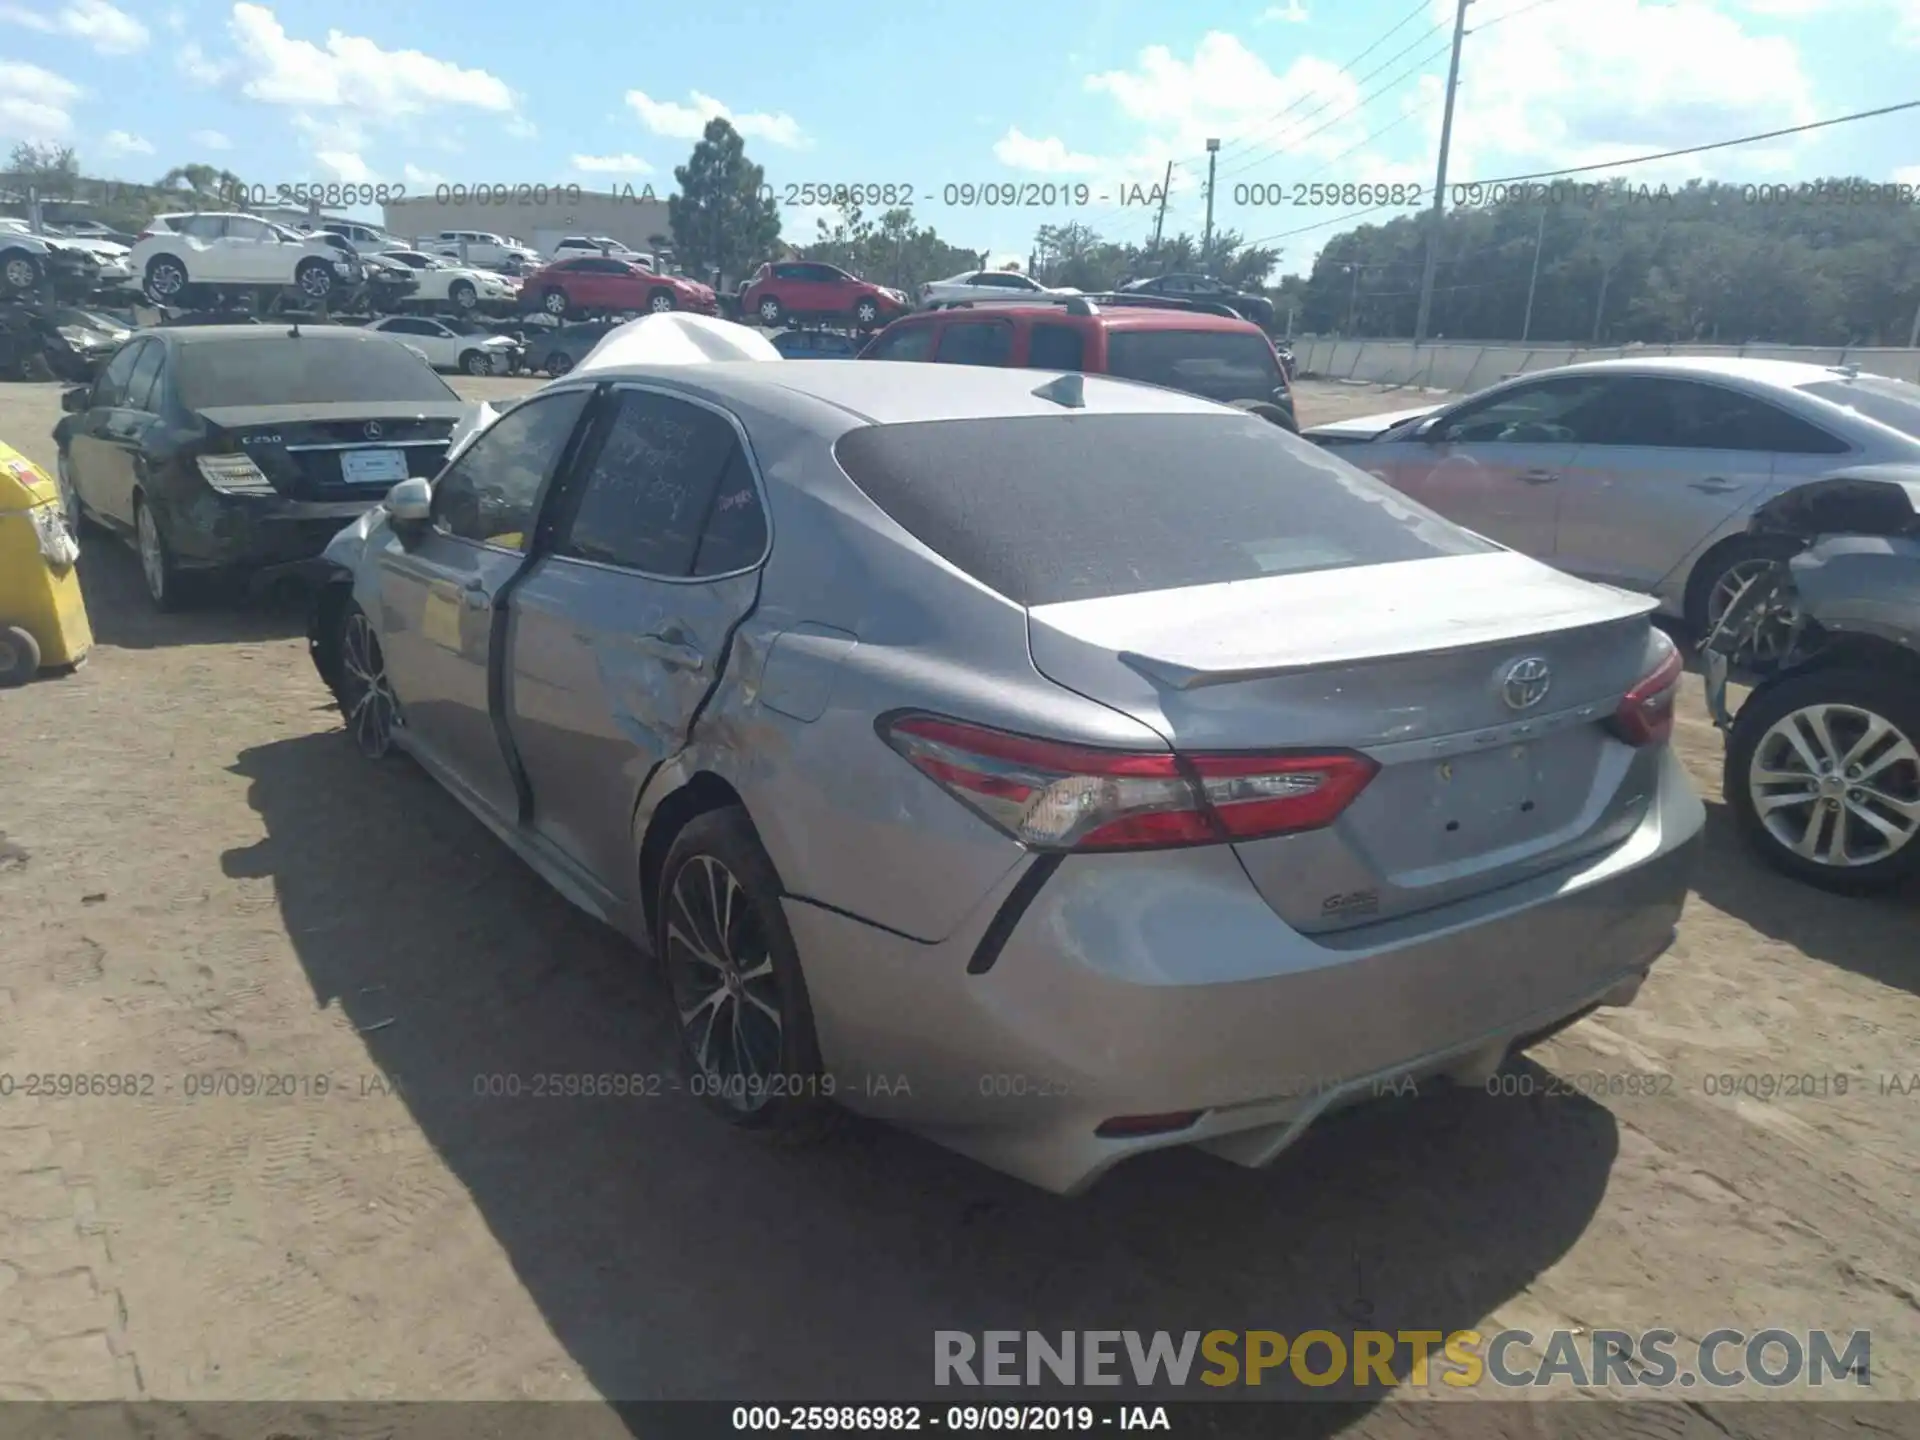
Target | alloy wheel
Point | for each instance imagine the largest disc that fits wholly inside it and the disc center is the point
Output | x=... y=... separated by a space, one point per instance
x=867 y=312
x=720 y=968
x=1837 y=785
x=373 y=712
x=153 y=555
x=315 y=283
x=1770 y=631
x=166 y=279
x=21 y=274
x=660 y=304
x=770 y=311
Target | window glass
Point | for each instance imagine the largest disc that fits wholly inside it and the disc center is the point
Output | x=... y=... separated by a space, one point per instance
x=1693 y=415
x=1223 y=365
x=273 y=368
x=644 y=501
x=145 y=371
x=111 y=388
x=790 y=272
x=1055 y=347
x=1548 y=412
x=909 y=342
x=201 y=227
x=243 y=227
x=736 y=533
x=1044 y=510
x=490 y=493
x=1895 y=403
x=977 y=343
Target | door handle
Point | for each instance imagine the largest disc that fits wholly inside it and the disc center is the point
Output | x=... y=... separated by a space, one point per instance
x=1713 y=485
x=1540 y=477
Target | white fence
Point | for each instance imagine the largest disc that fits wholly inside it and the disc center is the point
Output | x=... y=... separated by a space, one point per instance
x=1449 y=365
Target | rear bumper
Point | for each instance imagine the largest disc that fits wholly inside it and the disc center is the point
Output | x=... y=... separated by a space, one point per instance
x=1149 y=985
x=269 y=536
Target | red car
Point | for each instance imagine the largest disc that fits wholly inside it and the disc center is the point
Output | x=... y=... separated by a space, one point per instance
x=602 y=285
x=1203 y=349
x=808 y=290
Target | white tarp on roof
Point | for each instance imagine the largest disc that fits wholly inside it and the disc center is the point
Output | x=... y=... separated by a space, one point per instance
x=676 y=339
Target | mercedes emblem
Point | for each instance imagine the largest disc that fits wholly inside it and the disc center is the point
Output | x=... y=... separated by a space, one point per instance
x=374 y=430
x=1526 y=683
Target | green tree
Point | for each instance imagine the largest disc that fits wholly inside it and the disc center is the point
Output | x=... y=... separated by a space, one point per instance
x=722 y=218
x=891 y=250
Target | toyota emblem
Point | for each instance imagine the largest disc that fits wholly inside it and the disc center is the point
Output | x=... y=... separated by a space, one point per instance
x=374 y=432
x=1526 y=683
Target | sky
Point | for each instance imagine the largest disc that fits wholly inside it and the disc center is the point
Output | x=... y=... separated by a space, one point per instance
x=1073 y=109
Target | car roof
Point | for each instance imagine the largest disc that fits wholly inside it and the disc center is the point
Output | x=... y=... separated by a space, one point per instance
x=1116 y=317
x=1789 y=373
x=894 y=392
x=210 y=334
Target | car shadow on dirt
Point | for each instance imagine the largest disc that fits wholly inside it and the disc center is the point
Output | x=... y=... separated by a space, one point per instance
x=1869 y=935
x=121 y=614
x=676 y=1257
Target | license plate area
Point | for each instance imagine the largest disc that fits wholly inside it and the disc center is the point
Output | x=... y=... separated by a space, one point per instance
x=1490 y=796
x=373 y=467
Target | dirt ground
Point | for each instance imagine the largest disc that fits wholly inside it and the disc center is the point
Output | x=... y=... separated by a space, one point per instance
x=198 y=875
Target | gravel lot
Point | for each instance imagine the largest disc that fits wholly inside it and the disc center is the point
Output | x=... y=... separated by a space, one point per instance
x=197 y=874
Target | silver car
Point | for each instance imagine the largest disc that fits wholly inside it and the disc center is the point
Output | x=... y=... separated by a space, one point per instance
x=1642 y=473
x=1062 y=767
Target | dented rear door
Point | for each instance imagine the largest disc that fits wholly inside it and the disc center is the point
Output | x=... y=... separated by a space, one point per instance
x=618 y=632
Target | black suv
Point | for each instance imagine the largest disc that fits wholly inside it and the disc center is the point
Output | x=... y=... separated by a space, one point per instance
x=1256 y=308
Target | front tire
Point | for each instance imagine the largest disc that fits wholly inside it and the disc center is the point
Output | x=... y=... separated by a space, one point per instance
x=1823 y=776
x=1718 y=578
x=771 y=312
x=555 y=303
x=866 y=314
x=157 y=568
x=166 y=280
x=19 y=656
x=475 y=362
x=20 y=271
x=558 y=363
x=463 y=295
x=660 y=302
x=367 y=702
x=314 y=279
x=740 y=1003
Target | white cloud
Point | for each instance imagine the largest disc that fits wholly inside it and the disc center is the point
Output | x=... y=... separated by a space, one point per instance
x=35 y=104
x=108 y=29
x=1292 y=13
x=521 y=128
x=686 y=122
x=351 y=71
x=346 y=166
x=1907 y=175
x=611 y=165
x=199 y=67
x=119 y=142
x=210 y=140
x=424 y=179
x=1018 y=151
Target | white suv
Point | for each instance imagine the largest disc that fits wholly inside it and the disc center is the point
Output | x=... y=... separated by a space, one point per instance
x=483 y=248
x=589 y=245
x=231 y=251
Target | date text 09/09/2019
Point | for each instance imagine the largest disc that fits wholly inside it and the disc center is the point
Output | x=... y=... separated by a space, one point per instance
x=954 y=1419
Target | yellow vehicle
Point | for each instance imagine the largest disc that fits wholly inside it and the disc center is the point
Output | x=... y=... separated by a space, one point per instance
x=43 y=619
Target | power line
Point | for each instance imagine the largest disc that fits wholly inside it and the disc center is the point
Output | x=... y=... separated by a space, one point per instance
x=1510 y=15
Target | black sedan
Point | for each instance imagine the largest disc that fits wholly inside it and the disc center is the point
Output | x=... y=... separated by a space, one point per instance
x=243 y=449
x=558 y=350
x=1256 y=308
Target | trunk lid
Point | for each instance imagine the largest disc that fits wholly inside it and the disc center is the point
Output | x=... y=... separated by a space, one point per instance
x=339 y=451
x=1409 y=662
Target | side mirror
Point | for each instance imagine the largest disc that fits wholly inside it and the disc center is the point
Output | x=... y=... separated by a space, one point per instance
x=75 y=400
x=410 y=508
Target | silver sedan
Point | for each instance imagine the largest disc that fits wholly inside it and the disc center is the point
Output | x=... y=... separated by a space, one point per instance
x=1062 y=767
x=1640 y=473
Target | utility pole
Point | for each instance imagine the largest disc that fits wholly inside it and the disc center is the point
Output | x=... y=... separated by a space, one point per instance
x=1353 y=300
x=1913 y=336
x=1539 y=236
x=1213 y=158
x=1440 y=177
x=1160 y=220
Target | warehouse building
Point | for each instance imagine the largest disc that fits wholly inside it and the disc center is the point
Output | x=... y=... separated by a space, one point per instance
x=539 y=215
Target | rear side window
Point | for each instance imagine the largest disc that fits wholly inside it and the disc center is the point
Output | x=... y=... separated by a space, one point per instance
x=1224 y=365
x=988 y=342
x=1048 y=508
x=1892 y=402
x=1055 y=347
x=910 y=342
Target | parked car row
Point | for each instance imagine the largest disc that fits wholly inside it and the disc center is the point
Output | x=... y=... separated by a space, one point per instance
x=51 y=264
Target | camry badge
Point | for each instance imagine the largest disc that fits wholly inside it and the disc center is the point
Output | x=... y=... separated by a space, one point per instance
x=1526 y=683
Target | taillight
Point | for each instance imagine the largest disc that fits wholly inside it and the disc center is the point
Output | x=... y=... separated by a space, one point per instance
x=1057 y=796
x=1645 y=713
x=234 y=475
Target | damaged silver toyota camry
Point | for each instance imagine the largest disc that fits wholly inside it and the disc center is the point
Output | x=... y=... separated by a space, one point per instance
x=1061 y=767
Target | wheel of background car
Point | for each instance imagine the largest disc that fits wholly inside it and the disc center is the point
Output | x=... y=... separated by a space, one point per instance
x=475 y=362
x=866 y=312
x=315 y=279
x=1269 y=411
x=367 y=702
x=157 y=568
x=69 y=498
x=769 y=310
x=32 y=366
x=20 y=270
x=554 y=302
x=463 y=295
x=1823 y=775
x=1717 y=578
x=746 y=1034
x=660 y=301
x=166 y=278
x=558 y=363
x=19 y=656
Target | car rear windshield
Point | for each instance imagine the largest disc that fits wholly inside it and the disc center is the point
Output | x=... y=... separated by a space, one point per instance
x=276 y=369
x=1891 y=402
x=1078 y=507
x=1218 y=364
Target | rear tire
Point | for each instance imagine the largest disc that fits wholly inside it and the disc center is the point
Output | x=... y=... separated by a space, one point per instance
x=866 y=314
x=462 y=294
x=166 y=280
x=1775 y=732
x=19 y=656
x=555 y=302
x=558 y=363
x=475 y=362
x=771 y=312
x=314 y=279
x=1714 y=581
x=741 y=1009
x=20 y=271
x=165 y=584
